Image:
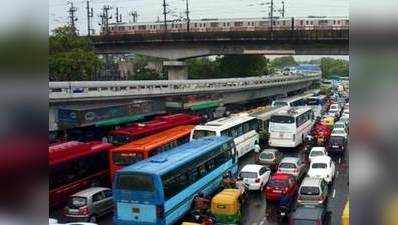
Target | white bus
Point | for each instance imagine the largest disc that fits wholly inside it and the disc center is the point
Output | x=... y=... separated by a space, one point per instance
x=288 y=128
x=242 y=128
x=291 y=101
x=317 y=104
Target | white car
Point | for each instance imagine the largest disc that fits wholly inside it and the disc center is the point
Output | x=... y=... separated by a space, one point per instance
x=335 y=109
x=341 y=125
x=317 y=152
x=255 y=176
x=345 y=118
x=340 y=132
x=322 y=167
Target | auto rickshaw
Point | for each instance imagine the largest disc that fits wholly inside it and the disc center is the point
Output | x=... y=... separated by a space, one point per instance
x=328 y=120
x=226 y=206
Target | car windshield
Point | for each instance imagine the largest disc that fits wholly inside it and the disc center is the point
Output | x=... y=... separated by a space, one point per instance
x=339 y=125
x=336 y=140
x=203 y=133
x=287 y=166
x=77 y=202
x=248 y=174
x=305 y=190
x=338 y=131
x=316 y=153
x=266 y=155
x=277 y=183
x=319 y=166
x=304 y=222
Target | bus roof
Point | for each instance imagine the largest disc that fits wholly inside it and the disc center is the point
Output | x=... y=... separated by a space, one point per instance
x=266 y=114
x=159 y=139
x=225 y=122
x=293 y=111
x=73 y=149
x=165 y=161
x=160 y=122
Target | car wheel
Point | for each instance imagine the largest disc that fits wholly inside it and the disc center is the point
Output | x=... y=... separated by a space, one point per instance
x=93 y=219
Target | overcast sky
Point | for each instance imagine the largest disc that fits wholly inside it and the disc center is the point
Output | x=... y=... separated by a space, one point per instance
x=149 y=10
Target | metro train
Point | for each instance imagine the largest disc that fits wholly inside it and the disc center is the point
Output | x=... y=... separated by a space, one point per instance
x=236 y=24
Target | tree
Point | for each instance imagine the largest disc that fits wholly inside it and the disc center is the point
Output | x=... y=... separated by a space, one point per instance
x=243 y=65
x=71 y=57
x=203 y=68
x=331 y=67
x=281 y=62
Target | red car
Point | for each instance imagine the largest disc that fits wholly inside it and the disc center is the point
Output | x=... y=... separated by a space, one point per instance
x=279 y=185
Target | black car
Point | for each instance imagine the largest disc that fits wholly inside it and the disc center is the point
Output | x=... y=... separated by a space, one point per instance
x=336 y=145
x=310 y=215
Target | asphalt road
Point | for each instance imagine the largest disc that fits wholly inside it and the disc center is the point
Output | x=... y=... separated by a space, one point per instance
x=257 y=212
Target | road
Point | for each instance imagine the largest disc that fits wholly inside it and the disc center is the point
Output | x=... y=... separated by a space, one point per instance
x=257 y=208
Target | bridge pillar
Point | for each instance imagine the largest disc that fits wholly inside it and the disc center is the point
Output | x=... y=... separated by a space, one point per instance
x=176 y=70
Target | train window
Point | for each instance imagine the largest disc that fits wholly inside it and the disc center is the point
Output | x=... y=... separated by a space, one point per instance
x=214 y=24
x=338 y=22
x=228 y=24
x=334 y=22
x=301 y=22
x=238 y=24
x=312 y=22
x=195 y=25
x=223 y=25
x=306 y=22
x=263 y=23
x=142 y=27
x=284 y=23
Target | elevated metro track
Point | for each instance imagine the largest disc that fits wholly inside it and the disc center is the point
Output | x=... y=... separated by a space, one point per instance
x=78 y=91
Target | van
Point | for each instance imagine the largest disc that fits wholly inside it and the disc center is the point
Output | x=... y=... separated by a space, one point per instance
x=313 y=191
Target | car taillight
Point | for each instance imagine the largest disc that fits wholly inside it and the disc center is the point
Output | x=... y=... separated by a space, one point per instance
x=84 y=210
x=257 y=180
x=159 y=211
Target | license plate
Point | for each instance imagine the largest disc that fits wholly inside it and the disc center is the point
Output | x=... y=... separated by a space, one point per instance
x=136 y=210
x=277 y=191
x=73 y=211
x=282 y=213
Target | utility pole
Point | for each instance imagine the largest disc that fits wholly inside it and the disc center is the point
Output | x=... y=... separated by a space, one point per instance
x=118 y=16
x=90 y=14
x=165 y=15
x=72 y=17
x=134 y=14
x=105 y=17
x=282 y=11
x=271 y=14
x=187 y=13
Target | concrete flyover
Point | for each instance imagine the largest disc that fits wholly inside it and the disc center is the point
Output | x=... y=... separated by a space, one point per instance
x=184 y=45
x=61 y=93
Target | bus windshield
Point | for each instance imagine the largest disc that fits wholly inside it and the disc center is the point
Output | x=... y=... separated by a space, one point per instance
x=203 y=133
x=124 y=159
x=135 y=182
x=279 y=104
x=313 y=101
x=282 y=119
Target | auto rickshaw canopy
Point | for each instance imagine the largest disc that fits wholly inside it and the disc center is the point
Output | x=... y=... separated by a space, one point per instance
x=226 y=202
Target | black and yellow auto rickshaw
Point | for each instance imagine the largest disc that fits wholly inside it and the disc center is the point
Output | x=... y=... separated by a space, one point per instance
x=226 y=206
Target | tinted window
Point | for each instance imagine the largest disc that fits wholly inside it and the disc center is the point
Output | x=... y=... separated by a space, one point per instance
x=76 y=202
x=304 y=222
x=203 y=133
x=266 y=155
x=279 y=104
x=282 y=119
x=248 y=174
x=277 y=183
x=309 y=190
x=319 y=166
x=124 y=159
x=135 y=182
x=316 y=153
x=336 y=140
x=287 y=166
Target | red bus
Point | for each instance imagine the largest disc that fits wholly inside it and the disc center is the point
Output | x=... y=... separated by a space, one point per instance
x=136 y=131
x=146 y=147
x=75 y=166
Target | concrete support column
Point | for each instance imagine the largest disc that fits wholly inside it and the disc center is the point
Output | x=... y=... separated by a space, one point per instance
x=176 y=70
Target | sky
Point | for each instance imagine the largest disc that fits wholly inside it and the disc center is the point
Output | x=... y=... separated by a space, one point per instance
x=150 y=10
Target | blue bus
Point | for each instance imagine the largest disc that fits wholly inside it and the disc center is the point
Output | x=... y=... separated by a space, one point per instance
x=160 y=189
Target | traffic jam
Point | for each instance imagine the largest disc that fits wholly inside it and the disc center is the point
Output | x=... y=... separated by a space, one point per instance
x=282 y=163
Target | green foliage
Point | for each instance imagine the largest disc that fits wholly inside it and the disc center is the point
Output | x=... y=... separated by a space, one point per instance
x=331 y=67
x=71 y=57
x=228 y=66
x=281 y=62
x=141 y=72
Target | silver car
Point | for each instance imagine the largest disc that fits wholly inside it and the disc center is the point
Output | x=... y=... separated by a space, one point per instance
x=294 y=166
x=89 y=204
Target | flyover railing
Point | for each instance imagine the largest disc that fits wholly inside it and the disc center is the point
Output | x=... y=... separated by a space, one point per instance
x=63 y=91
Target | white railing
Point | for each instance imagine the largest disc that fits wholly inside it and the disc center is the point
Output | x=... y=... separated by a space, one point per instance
x=95 y=89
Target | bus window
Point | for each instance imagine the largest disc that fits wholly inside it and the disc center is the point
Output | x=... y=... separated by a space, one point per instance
x=282 y=119
x=124 y=159
x=136 y=182
x=203 y=133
